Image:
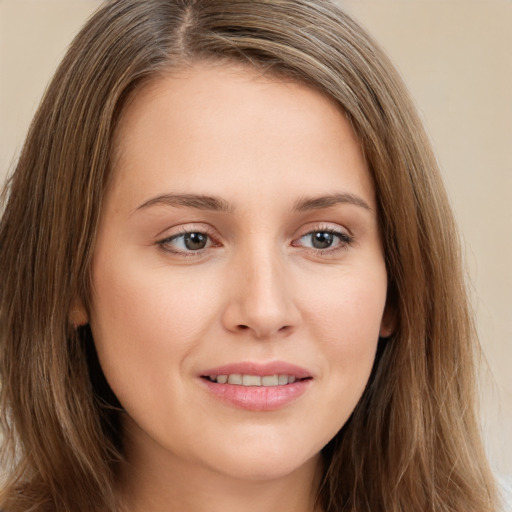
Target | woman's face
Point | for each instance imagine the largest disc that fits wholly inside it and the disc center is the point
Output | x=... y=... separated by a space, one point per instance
x=239 y=283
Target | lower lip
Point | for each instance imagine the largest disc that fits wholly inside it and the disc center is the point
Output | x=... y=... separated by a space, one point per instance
x=258 y=398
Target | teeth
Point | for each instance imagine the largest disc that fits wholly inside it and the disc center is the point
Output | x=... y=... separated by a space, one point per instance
x=270 y=380
x=253 y=380
x=235 y=378
x=282 y=379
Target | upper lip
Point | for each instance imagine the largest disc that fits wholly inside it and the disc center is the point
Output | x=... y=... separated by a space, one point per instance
x=261 y=369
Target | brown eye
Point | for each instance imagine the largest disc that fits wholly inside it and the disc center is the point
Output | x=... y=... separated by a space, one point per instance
x=187 y=242
x=195 y=241
x=322 y=239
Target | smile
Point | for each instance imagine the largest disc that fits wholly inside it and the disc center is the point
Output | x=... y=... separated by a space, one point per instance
x=256 y=386
x=253 y=380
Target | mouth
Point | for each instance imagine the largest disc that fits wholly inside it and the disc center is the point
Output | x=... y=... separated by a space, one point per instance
x=257 y=387
x=239 y=379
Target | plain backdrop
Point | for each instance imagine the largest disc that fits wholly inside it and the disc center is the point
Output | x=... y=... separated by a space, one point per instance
x=456 y=57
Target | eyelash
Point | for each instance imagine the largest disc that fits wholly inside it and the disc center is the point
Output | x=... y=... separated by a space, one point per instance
x=344 y=240
x=165 y=243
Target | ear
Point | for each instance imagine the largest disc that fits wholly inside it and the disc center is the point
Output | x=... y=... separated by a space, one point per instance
x=77 y=314
x=388 y=322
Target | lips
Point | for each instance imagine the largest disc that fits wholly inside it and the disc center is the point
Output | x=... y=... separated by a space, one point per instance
x=255 y=386
x=253 y=380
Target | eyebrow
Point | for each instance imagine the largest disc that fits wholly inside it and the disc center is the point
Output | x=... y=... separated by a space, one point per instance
x=200 y=202
x=321 y=202
x=203 y=202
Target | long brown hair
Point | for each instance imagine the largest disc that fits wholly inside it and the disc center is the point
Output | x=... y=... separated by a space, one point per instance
x=412 y=443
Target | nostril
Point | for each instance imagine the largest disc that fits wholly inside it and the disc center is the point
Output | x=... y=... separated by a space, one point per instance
x=243 y=327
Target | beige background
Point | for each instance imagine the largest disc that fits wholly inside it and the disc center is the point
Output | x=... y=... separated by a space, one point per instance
x=456 y=56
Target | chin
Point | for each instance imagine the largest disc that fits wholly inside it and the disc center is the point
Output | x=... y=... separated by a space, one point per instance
x=266 y=464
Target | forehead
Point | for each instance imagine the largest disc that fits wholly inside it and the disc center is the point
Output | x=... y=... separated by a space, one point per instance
x=215 y=124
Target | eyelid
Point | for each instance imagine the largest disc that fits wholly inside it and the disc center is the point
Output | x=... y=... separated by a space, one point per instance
x=183 y=230
x=183 y=227
x=345 y=239
x=313 y=227
x=344 y=235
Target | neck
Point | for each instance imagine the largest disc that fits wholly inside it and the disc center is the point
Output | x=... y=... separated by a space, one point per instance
x=154 y=481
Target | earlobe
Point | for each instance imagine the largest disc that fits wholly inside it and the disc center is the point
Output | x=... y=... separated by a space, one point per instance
x=388 y=322
x=78 y=315
x=385 y=331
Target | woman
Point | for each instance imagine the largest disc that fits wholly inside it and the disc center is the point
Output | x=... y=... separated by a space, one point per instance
x=230 y=276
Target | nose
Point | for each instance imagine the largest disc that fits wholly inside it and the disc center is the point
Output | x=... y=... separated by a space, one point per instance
x=261 y=299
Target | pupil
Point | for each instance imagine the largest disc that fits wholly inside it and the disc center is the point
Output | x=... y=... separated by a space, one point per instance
x=322 y=240
x=195 y=241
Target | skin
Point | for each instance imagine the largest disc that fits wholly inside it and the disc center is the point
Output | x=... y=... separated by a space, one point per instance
x=258 y=291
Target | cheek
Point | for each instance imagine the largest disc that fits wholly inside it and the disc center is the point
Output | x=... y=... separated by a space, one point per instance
x=143 y=323
x=347 y=308
x=130 y=294
x=345 y=317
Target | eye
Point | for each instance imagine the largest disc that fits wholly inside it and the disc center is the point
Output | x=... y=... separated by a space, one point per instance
x=321 y=239
x=190 y=241
x=195 y=241
x=324 y=240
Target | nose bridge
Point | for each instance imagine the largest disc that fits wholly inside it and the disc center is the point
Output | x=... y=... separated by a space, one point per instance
x=263 y=299
x=263 y=273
